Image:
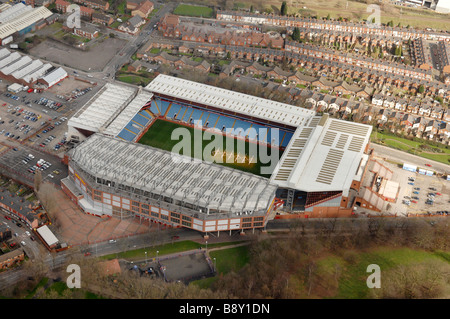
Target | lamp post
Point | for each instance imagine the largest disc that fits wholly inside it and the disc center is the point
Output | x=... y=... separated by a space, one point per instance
x=146 y=257
x=206 y=247
x=215 y=264
x=157 y=252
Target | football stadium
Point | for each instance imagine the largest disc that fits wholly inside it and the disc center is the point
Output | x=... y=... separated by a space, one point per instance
x=186 y=154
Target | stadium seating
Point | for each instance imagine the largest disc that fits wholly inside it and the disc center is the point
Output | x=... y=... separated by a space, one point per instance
x=154 y=108
x=173 y=111
x=224 y=121
x=126 y=135
x=163 y=106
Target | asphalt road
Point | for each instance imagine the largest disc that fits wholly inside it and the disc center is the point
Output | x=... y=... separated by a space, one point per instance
x=403 y=157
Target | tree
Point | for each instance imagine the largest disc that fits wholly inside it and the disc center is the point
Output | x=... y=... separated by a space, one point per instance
x=296 y=34
x=283 y=9
x=421 y=88
x=251 y=8
x=328 y=17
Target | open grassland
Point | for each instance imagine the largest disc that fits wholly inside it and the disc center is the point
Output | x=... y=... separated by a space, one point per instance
x=193 y=11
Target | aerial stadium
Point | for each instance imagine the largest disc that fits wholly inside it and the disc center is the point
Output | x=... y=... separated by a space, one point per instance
x=289 y=159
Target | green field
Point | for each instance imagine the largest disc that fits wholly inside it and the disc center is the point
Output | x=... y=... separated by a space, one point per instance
x=193 y=11
x=441 y=154
x=352 y=283
x=159 y=136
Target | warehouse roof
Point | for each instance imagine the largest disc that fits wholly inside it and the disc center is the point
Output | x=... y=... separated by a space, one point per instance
x=230 y=100
x=54 y=76
x=24 y=20
x=180 y=177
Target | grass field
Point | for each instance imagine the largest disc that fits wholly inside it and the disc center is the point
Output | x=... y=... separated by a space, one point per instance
x=193 y=11
x=411 y=147
x=159 y=136
x=352 y=283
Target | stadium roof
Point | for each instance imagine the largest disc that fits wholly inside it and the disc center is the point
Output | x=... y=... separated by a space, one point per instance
x=128 y=113
x=323 y=155
x=149 y=169
x=103 y=107
x=230 y=100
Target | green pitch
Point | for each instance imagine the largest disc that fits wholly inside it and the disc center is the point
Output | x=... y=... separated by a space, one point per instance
x=193 y=11
x=159 y=135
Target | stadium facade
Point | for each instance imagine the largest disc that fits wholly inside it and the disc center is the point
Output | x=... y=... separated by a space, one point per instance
x=320 y=170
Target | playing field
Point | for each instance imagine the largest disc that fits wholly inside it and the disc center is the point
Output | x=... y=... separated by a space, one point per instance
x=209 y=147
x=193 y=11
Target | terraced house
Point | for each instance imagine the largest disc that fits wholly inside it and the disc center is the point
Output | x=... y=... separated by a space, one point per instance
x=352 y=27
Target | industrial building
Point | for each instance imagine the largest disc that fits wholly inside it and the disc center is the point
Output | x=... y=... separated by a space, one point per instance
x=23 y=70
x=321 y=169
x=20 y=19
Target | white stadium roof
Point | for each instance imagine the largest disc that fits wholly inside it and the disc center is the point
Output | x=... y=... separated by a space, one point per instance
x=128 y=113
x=323 y=155
x=146 y=168
x=103 y=107
x=230 y=100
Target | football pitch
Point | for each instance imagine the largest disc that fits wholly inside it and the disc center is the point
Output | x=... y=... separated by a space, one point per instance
x=210 y=147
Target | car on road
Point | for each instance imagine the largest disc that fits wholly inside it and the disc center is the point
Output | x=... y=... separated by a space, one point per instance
x=411 y=184
x=112 y=241
x=428 y=165
x=32 y=238
x=8 y=218
x=414 y=201
x=87 y=253
x=23 y=243
x=416 y=192
x=439 y=194
x=19 y=225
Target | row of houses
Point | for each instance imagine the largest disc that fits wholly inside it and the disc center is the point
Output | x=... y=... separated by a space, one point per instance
x=180 y=62
x=417 y=125
x=361 y=28
x=314 y=65
x=427 y=107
